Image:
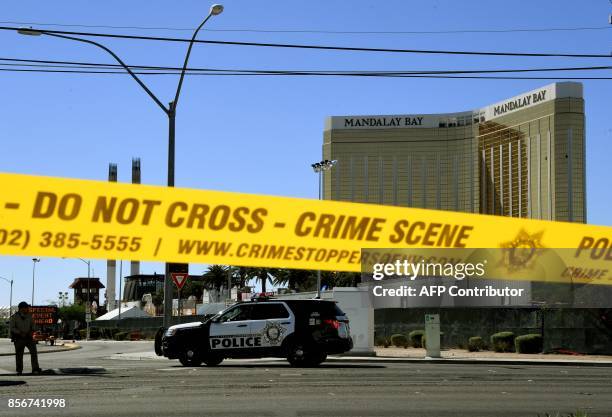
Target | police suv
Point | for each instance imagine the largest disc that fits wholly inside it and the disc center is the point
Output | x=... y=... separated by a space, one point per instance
x=303 y=331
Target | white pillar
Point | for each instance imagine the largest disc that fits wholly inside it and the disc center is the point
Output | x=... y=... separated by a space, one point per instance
x=356 y=302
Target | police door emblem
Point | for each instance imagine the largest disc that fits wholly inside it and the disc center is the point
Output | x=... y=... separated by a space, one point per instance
x=273 y=332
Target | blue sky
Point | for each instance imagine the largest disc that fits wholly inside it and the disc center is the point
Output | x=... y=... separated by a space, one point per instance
x=260 y=134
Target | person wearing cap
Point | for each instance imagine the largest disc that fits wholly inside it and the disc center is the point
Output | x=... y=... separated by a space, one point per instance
x=22 y=328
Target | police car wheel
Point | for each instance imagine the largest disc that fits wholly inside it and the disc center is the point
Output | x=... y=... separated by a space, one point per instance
x=299 y=355
x=190 y=358
x=213 y=360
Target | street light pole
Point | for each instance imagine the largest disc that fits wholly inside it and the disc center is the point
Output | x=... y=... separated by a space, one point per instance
x=10 y=296
x=87 y=303
x=320 y=168
x=34 y=262
x=170 y=111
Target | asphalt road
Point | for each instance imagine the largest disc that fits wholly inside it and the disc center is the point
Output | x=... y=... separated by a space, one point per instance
x=93 y=384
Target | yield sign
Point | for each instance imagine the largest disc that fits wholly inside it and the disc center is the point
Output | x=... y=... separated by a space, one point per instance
x=179 y=278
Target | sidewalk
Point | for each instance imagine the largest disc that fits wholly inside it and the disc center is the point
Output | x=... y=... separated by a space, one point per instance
x=7 y=348
x=490 y=357
x=456 y=356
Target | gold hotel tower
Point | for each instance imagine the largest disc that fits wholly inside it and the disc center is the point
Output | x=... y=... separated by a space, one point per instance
x=521 y=157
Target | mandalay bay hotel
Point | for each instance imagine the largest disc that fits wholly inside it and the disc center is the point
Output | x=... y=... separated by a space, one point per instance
x=521 y=157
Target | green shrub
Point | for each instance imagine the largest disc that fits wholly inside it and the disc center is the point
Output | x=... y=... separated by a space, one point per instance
x=108 y=333
x=529 y=343
x=503 y=342
x=83 y=334
x=120 y=336
x=415 y=337
x=4 y=329
x=476 y=344
x=94 y=333
x=381 y=341
x=399 y=340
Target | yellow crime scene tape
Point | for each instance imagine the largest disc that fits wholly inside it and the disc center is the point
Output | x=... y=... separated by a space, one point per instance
x=45 y=216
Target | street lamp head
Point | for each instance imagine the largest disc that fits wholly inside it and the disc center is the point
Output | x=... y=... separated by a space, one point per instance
x=35 y=260
x=216 y=9
x=29 y=32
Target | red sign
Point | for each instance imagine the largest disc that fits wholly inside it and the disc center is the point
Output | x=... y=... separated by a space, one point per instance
x=179 y=278
x=44 y=315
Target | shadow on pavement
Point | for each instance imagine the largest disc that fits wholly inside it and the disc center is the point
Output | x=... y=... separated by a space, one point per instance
x=64 y=371
x=77 y=371
x=11 y=383
x=252 y=365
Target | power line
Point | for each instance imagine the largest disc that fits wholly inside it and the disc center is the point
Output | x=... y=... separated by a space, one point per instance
x=318 y=31
x=117 y=72
x=84 y=65
x=323 y=47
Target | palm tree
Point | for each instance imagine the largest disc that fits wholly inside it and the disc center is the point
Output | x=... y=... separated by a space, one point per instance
x=215 y=277
x=340 y=279
x=261 y=274
x=294 y=279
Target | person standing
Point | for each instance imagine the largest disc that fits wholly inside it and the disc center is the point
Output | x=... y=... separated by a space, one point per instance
x=22 y=328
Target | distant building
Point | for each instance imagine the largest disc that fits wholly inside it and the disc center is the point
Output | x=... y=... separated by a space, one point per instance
x=86 y=289
x=521 y=157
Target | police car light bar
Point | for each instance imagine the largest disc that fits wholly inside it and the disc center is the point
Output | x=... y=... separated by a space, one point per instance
x=262 y=296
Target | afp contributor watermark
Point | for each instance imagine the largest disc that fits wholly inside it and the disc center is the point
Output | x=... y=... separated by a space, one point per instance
x=436 y=269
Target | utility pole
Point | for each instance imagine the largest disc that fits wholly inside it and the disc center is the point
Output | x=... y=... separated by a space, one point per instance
x=170 y=111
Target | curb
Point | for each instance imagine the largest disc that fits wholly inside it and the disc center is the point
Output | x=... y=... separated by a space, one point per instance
x=66 y=347
x=387 y=359
x=537 y=362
